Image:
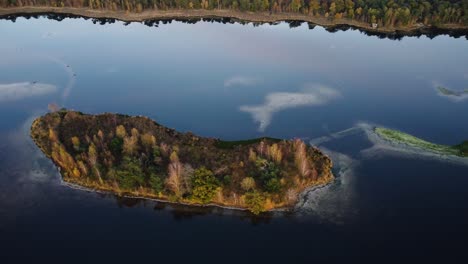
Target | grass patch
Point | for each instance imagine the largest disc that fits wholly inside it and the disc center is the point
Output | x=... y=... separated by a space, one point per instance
x=462 y=148
x=401 y=137
x=232 y=144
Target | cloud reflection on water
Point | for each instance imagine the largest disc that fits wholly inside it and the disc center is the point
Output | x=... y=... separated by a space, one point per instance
x=312 y=95
x=242 y=81
x=21 y=90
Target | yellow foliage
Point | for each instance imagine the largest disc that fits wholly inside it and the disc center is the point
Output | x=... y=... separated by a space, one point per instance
x=174 y=157
x=274 y=152
x=135 y=132
x=82 y=167
x=120 y=131
x=269 y=204
x=148 y=140
x=301 y=159
x=130 y=145
x=62 y=158
x=248 y=183
x=76 y=172
x=101 y=135
x=76 y=143
x=92 y=155
x=98 y=174
x=52 y=135
x=219 y=198
x=252 y=155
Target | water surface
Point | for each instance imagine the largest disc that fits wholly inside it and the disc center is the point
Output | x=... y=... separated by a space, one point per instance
x=236 y=81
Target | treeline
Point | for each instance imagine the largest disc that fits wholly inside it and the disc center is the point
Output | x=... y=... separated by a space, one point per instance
x=381 y=12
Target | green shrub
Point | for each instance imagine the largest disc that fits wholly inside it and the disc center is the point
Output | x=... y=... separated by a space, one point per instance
x=255 y=202
x=116 y=145
x=156 y=183
x=129 y=175
x=204 y=185
x=463 y=148
x=227 y=180
x=232 y=144
x=273 y=185
x=269 y=174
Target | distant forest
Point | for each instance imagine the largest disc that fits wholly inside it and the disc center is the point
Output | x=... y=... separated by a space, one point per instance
x=398 y=13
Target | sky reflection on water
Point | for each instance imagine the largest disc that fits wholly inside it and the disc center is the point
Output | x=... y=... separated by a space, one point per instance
x=233 y=81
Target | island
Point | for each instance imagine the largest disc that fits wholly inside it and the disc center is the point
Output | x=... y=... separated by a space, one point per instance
x=404 y=16
x=136 y=157
x=395 y=136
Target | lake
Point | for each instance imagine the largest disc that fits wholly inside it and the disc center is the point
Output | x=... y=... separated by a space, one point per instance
x=235 y=81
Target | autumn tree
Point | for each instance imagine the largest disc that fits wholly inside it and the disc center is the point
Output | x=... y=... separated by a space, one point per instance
x=148 y=141
x=76 y=143
x=174 y=180
x=248 y=184
x=120 y=131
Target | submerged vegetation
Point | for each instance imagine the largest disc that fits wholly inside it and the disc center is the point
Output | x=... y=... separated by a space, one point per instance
x=135 y=156
x=407 y=139
x=379 y=13
x=449 y=92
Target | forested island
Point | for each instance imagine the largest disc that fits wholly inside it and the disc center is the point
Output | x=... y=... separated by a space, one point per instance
x=137 y=157
x=373 y=15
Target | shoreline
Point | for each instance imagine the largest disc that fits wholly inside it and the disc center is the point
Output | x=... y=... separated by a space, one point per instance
x=300 y=201
x=76 y=186
x=79 y=187
x=257 y=17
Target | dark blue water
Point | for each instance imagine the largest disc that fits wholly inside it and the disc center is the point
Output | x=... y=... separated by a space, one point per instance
x=237 y=81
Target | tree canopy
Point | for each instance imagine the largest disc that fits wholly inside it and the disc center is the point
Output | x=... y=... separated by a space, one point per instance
x=383 y=12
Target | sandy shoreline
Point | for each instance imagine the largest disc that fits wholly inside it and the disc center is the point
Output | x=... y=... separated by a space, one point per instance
x=257 y=17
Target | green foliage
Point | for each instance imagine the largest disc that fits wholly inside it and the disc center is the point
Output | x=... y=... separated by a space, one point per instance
x=463 y=148
x=156 y=183
x=232 y=144
x=383 y=12
x=269 y=174
x=116 y=145
x=130 y=175
x=204 y=185
x=227 y=180
x=404 y=138
x=76 y=143
x=255 y=202
x=156 y=152
x=273 y=185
